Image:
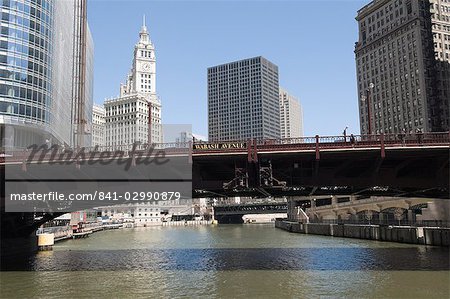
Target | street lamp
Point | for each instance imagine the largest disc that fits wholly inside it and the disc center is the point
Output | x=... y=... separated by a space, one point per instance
x=363 y=99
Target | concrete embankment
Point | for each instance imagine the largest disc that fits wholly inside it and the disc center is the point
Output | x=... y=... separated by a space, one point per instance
x=402 y=234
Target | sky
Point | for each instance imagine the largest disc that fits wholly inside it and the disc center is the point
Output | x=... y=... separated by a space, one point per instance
x=312 y=43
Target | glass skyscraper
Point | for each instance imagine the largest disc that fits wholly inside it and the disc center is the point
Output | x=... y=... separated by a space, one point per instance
x=37 y=72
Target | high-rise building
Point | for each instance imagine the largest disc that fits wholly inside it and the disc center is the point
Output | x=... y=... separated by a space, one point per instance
x=243 y=100
x=403 y=66
x=98 y=125
x=40 y=50
x=128 y=117
x=291 y=115
x=184 y=137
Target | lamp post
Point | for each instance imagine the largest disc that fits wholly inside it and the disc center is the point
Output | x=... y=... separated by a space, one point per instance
x=345 y=134
x=365 y=98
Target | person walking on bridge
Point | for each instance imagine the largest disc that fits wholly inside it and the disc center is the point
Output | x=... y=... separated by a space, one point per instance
x=352 y=140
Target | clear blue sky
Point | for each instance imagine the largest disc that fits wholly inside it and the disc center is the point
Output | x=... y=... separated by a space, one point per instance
x=312 y=43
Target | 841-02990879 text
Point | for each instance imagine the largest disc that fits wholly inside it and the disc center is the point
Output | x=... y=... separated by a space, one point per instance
x=135 y=196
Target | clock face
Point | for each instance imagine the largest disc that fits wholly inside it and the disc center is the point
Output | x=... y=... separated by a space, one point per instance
x=146 y=67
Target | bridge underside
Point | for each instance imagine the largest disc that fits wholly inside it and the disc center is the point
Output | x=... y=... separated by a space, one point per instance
x=412 y=172
x=402 y=172
x=234 y=213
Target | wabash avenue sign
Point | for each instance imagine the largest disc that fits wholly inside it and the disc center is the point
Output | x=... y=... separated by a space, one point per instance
x=219 y=146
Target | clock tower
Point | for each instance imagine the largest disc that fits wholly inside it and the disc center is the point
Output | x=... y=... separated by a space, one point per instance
x=142 y=78
x=135 y=116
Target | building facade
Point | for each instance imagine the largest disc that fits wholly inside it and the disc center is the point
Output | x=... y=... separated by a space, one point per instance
x=127 y=117
x=98 y=125
x=150 y=213
x=37 y=71
x=402 y=60
x=243 y=100
x=187 y=136
x=184 y=137
x=291 y=115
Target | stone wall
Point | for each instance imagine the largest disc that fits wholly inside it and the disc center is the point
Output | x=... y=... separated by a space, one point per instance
x=405 y=234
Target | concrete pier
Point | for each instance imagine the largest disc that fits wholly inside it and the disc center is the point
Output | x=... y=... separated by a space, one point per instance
x=46 y=241
x=435 y=236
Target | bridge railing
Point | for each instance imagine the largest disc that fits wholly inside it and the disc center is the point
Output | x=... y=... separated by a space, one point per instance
x=355 y=141
x=53 y=229
x=140 y=147
x=285 y=144
x=65 y=153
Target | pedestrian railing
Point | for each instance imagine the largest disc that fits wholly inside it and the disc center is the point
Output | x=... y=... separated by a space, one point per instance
x=316 y=143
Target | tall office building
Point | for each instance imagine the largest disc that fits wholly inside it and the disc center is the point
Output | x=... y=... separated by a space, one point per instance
x=184 y=137
x=403 y=66
x=98 y=125
x=243 y=100
x=291 y=115
x=40 y=49
x=128 y=117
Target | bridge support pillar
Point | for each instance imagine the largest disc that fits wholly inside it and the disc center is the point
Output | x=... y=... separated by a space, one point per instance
x=334 y=200
x=16 y=247
x=410 y=215
x=291 y=209
x=46 y=241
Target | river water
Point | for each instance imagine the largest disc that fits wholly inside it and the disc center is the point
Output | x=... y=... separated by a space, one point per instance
x=227 y=261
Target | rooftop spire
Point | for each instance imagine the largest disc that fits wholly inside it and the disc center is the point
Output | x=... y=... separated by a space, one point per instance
x=143 y=34
x=144 y=27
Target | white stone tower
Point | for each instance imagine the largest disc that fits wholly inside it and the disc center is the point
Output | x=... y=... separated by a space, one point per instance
x=142 y=78
x=128 y=119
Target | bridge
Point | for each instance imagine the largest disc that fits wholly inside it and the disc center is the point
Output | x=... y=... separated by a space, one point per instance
x=344 y=210
x=414 y=165
x=379 y=208
x=232 y=213
x=387 y=165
